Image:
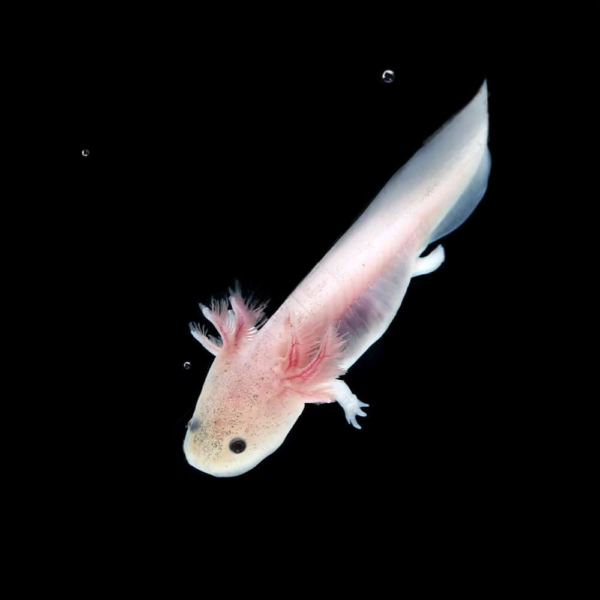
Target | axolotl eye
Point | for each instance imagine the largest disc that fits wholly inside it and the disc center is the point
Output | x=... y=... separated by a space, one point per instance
x=237 y=445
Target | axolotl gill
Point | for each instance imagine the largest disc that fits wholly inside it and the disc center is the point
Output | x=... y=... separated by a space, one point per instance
x=266 y=370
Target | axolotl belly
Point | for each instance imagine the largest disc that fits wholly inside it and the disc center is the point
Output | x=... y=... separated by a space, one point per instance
x=266 y=370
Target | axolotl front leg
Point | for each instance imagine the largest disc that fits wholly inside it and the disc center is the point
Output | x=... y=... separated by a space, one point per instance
x=349 y=402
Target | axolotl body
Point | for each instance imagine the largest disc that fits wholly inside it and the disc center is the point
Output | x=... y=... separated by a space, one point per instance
x=265 y=371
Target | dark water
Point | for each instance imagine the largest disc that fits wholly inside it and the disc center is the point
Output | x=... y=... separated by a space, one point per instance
x=203 y=170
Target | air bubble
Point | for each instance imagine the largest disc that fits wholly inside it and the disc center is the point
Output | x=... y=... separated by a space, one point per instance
x=187 y=365
x=85 y=153
x=388 y=76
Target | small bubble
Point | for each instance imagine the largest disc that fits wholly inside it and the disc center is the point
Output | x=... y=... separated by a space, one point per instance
x=388 y=76
x=85 y=153
x=187 y=365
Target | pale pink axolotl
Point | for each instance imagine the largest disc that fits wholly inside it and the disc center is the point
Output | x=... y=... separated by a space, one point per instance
x=265 y=372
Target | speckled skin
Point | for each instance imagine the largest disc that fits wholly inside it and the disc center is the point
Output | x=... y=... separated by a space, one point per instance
x=243 y=398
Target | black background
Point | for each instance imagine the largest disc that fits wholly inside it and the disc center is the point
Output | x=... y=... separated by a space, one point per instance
x=246 y=159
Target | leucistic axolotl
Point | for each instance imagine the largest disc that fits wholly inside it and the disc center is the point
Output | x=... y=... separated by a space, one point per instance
x=265 y=371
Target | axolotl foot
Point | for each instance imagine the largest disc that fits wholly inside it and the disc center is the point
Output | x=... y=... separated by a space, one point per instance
x=349 y=402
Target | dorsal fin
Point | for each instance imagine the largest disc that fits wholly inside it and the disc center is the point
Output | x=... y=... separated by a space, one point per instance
x=468 y=200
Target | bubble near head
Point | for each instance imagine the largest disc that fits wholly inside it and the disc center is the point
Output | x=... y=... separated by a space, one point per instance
x=85 y=153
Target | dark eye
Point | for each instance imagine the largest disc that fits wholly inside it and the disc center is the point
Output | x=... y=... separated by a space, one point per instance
x=237 y=445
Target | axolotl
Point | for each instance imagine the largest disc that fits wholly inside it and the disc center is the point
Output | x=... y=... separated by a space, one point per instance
x=266 y=370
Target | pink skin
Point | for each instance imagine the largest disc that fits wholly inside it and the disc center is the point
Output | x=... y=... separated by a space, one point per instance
x=262 y=376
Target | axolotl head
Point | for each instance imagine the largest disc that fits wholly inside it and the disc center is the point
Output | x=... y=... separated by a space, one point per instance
x=256 y=387
x=241 y=417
